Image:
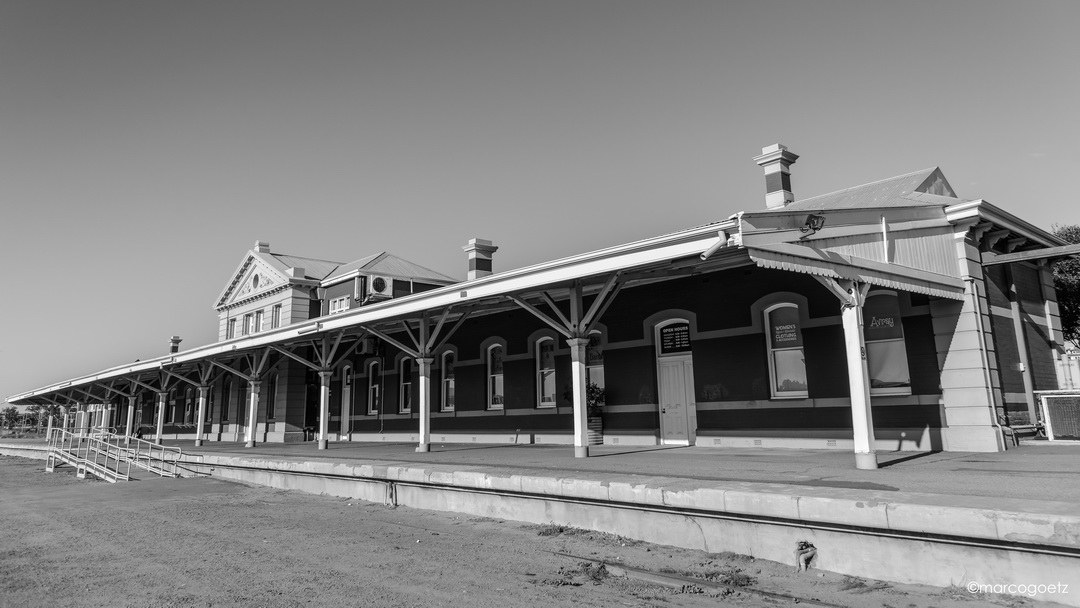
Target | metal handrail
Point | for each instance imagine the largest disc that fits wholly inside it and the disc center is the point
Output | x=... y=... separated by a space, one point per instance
x=100 y=456
x=105 y=454
x=158 y=459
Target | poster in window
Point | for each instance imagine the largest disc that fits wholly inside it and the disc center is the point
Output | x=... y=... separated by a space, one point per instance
x=675 y=338
x=784 y=328
x=881 y=318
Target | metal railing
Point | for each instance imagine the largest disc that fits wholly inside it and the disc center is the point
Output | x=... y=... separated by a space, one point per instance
x=88 y=454
x=110 y=456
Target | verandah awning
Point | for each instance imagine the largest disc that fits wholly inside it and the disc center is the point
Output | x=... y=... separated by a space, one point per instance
x=807 y=260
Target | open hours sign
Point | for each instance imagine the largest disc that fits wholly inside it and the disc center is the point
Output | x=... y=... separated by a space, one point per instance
x=675 y=338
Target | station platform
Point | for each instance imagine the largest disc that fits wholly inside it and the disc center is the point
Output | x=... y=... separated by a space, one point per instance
x=1011 y=517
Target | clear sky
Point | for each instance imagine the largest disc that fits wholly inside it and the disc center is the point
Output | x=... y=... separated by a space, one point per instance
x=145 y=146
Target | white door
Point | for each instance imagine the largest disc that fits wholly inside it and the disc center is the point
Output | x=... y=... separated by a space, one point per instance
x=345 y=429
x=676 y=392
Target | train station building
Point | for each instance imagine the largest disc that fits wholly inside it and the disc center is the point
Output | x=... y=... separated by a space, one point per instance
x=892 y=315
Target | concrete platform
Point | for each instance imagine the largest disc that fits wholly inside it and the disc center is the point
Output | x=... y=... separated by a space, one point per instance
x=949 y=518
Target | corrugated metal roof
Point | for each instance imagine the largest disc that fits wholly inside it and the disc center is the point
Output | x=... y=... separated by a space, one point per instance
x=386 y=263
x=313 y=269
x=351 y=266
x=906 y=190
x=394 y=266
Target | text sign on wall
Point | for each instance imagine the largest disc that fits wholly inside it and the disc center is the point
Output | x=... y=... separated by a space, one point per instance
x=784 y=330
x=881 y=318
x=675 y=338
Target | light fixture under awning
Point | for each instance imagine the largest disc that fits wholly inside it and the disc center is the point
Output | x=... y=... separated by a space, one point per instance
x=807 y=260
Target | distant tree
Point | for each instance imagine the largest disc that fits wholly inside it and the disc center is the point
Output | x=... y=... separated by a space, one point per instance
x=9 y=416
x=33 y=417
x=1067 y=285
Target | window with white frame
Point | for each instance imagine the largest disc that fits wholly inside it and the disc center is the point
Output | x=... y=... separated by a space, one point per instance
x=594 y=361
x=249 y=324
x=258 y=321
x=275 y=316
x=545 y=372
x=448 y=360
x=339 y=305
x=495 y=377
x=787 y=363
x=886 y=352
x=405 y=383
x=230 y=331
x=374 y=385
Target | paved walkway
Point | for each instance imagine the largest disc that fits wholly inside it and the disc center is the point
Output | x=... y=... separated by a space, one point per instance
x=1033 y=471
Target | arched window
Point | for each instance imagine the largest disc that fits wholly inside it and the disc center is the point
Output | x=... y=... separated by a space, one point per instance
x=405 y=384
x=594 y=361
x=271 y=397
x=209 y=406
x=787 y=363
x=374 y=382
x=545 y=372
x=189 y=404
x=170 y=406
x=226 y=398
x=886 y=352
x=496 y=395
x=448 y=360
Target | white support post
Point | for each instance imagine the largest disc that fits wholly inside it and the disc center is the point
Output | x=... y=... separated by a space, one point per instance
x=324 y=408
x=80 y=419
x=161 y=397
x=253 y=412
x=48 y=429
x=862 y=418
x=425 y=403
x=581 y=412
x=66 y=419
x=201 y=417
x=132 y=401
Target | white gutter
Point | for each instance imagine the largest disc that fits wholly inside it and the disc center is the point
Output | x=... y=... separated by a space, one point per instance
x=984 y=210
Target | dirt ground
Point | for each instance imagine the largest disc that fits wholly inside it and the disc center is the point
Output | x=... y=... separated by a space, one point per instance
x=204 y=543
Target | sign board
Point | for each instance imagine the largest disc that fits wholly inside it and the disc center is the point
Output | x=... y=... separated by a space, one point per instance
x=675 y=338
x=784 y=330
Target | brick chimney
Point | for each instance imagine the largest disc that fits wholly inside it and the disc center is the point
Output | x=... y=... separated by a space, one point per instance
x=776 y=161
x=174 y=345
x=480 y=252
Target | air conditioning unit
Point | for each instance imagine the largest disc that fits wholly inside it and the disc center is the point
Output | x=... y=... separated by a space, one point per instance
x=380 y=288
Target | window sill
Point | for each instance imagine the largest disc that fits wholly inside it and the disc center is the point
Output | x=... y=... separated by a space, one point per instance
x=791 y=396
x=880 y=392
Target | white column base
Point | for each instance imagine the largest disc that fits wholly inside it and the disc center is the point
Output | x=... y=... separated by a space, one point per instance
x=423 y=447
x=865 y=461
x=581 y=451
x=322 y=444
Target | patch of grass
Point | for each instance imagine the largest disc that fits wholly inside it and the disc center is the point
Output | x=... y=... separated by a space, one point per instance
x=554 y=529
x=643 y=591
x=729 y=576
x=855 y=584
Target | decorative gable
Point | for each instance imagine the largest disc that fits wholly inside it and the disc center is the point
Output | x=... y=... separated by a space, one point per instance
x=254 y=278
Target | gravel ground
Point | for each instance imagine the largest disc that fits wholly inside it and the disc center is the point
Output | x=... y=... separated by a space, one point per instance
x=204 y=542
